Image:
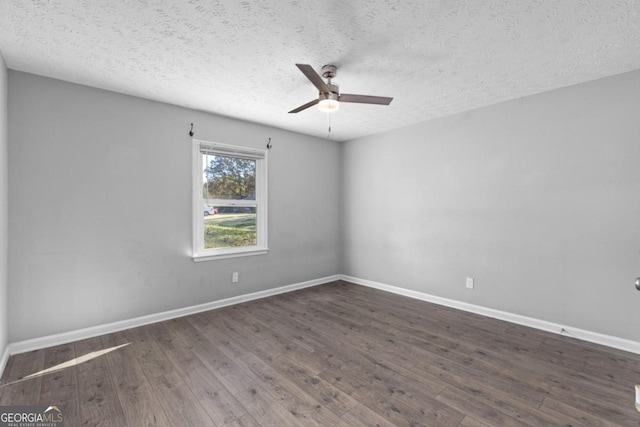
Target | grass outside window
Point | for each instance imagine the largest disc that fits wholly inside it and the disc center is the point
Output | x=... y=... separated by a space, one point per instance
x=230 y=230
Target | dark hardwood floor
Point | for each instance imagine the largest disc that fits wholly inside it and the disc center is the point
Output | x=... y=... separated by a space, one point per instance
x=332 y=355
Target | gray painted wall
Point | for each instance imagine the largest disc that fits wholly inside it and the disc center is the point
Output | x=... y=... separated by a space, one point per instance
x=100 y=208
x=4 y=196
x=538 y=199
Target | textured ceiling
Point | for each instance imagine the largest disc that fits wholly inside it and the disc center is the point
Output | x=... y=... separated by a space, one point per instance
x=237 y=58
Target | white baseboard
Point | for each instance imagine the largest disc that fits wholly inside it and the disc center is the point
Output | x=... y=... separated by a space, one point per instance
x=66 y=337
x=80 y=334
x=581 y=334
x=4 y=360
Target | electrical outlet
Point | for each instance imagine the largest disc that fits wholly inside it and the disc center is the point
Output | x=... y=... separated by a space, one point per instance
x=469 y=283
x=234 y=277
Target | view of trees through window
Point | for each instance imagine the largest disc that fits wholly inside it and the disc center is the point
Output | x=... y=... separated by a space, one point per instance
x=229 y=193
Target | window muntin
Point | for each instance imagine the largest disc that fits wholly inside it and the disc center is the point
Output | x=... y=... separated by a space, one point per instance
x=230 y=187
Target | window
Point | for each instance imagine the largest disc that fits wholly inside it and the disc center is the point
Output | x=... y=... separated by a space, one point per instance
x=229 y=201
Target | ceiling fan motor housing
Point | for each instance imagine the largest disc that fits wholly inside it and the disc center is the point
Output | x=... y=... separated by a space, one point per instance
x=329 y=71
x=333 y=89
x=332 y=96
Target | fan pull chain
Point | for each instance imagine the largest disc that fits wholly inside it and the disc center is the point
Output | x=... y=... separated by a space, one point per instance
x=329 y=125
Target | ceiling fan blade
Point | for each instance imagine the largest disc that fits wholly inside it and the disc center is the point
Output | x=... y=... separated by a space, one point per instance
x=305 y=106
x=314 y=77
x=364 y=99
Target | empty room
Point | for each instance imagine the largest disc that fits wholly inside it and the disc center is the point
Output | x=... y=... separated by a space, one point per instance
x=336 y=213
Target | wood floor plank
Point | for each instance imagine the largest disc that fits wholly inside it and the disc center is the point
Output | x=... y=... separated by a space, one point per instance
x=212 y=350
x=412 y=336
x=480 y=375
x=536 y=374
x=264 y=341
x=99 y=403
x=18 y=389
x=243 y=421
x=306 y=409
x=60 y=386
x=217 y=401
x=23 y=365
x=429 y=413
x=556 y=354
x=361 y=416
x=472 y=422
x=417 y=310
x=238 y=326
x=337 y=354
x=390 y=393
x=262 y=407
x=139 y=404
x=392 y=404
x=260 y=375
x=217 y=334
x=465 y=358
x=180 y=405
x=407 y=379
x=498 y=400
x=554 y=407
x=296 y=370
x=300 y=336
x=257 y=401
x=392 y=324
x=465 y=403
x=353 y=334
x=21 y=392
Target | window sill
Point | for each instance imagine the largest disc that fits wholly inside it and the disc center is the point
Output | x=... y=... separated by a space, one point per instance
x=211 y=257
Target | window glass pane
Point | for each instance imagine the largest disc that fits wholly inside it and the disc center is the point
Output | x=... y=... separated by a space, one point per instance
x=230 y=212
x=230 y=226
x=230 y=178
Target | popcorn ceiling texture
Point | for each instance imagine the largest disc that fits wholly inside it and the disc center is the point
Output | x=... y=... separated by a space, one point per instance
x=237 y=58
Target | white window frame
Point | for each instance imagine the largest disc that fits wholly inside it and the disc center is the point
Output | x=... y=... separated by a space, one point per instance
x=199 y=252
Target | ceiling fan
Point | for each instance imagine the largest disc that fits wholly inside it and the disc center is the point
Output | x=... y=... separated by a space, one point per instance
x=330 y=97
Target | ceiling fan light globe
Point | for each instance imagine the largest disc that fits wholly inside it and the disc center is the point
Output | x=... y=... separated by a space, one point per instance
x=328 y=105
